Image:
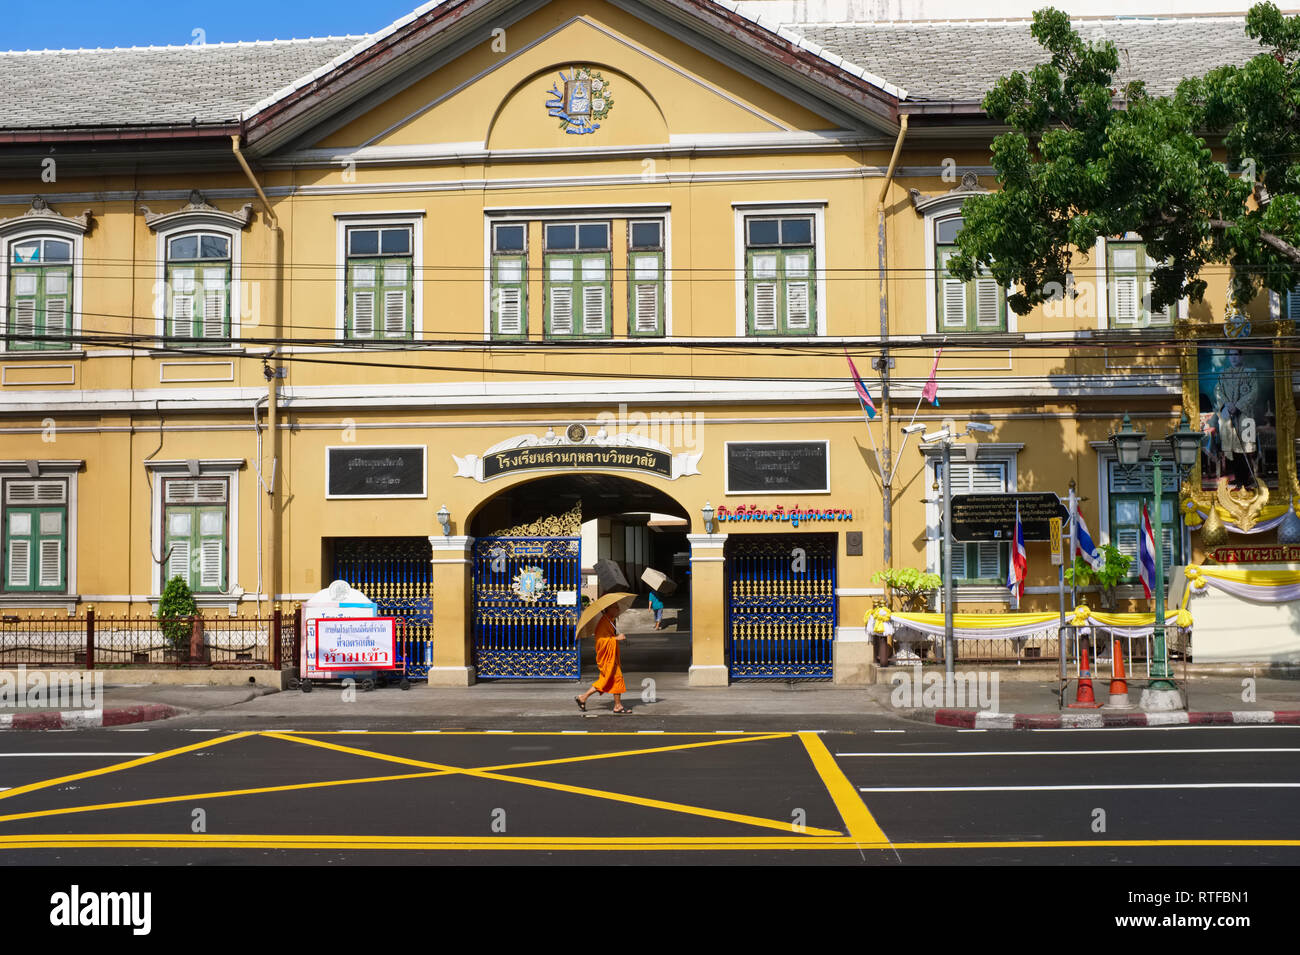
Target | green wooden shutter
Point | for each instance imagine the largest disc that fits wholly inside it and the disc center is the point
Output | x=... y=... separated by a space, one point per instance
x=509 y=296
x=645 y=307
x=763 y=274
x=800 y=291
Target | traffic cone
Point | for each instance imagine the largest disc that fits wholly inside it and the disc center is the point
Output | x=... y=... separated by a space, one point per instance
x=1084 y=699
x=1118 y=683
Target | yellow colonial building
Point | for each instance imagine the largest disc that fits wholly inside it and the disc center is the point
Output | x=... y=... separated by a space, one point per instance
x=455 y=310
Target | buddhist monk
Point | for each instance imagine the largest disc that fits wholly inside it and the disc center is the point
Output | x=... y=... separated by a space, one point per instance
x=607 y=654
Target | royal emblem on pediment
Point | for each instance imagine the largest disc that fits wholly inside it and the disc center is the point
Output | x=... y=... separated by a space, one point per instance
x=579 y=99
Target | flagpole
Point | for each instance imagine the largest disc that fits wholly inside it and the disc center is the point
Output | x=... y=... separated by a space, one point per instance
x=915 y=412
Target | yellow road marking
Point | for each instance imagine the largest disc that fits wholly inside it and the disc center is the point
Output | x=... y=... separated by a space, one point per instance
x=596 y=733
x=158 y=800
x=117 y=767
x=576 y=790
x=861 y=824
x=550 y=844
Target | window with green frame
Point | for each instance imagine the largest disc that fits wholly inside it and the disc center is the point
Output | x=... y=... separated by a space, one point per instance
x=979 y=305
x=36 y=536
x=780 y=275
x=379 y=289
x=198 y=288
x=40 y=294
x=1129 y=268
x=645 y=277
x=576 y=266
x=509 y=280
x=195 y=540
x=976 y=563
x=1127 y=491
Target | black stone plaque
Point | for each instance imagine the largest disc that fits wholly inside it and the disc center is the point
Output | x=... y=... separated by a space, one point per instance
x=375 y=472
x=768 y=467
x=992 y=517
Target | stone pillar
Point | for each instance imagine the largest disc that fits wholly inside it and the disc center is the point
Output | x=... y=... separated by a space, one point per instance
x=708 y=610
x=453 y=648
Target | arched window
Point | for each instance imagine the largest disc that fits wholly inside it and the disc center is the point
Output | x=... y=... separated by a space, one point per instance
x=979 y=305
x=198 y=287
x=40 y=293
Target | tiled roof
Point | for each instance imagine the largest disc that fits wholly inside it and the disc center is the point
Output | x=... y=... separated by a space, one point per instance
x=157 y=85
x=959 y=61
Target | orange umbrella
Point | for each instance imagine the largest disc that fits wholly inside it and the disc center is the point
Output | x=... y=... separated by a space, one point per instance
x=598 y=606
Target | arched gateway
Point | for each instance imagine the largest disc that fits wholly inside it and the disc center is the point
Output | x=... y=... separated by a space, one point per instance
x=529 y=570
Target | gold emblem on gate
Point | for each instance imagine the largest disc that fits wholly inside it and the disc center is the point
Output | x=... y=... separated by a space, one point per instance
x=529 y=584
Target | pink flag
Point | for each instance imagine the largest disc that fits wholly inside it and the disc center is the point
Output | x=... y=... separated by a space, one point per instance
x=931 y=390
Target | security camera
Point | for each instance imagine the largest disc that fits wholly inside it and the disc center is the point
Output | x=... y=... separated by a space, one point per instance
x=943 y=435
x=981 y=426
x=913 y=428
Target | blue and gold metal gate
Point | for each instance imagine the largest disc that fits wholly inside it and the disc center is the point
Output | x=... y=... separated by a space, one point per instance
x=526 y=604
x=397 y=574
x=781 y=606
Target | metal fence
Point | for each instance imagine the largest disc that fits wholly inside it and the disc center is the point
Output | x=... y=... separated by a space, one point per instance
x=917 y=648
x=104 y=640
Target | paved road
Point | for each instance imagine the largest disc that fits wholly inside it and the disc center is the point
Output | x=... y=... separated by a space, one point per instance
x=890 y=794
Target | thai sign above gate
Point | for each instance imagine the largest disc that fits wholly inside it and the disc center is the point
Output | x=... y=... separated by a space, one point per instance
x=577 y=450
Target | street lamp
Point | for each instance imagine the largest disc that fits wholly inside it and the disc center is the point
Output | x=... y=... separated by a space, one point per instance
x=945 y=439
x=444 y=518
x=706 y=512
x=1132 y=449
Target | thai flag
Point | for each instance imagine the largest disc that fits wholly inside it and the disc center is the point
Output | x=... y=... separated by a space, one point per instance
x=864 y=396
x=1083 y=544
x=1019 y=568
x=1146 y=553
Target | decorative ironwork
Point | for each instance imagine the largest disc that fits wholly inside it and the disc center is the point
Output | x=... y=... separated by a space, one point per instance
x=520 y=634
x=568 y=524
x=397 y=574
x=781 y=606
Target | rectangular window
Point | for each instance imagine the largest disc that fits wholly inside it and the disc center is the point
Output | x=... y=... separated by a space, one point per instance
x=379 y=286
x=576 y=279
x=36 y=536
x=780 y=275
x=1128 y=489
x=1291 y=304
x=40 y=294
x=1129 y=271
x=979 y=305
x=976 y=563
x=645 y=278
x=195 y=539
x=198 y=288
x=510 y=280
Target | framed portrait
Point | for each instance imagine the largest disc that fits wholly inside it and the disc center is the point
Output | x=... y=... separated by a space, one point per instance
x=1237 y=405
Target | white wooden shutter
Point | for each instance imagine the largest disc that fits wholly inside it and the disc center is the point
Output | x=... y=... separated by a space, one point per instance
x=990 y=566
x=36 y=492
x=182 y=302
x=765 y=291
x=214 y=303
x=1160 y=317
x=509 y=311
x=1291 y=307
x=954 y=304
x=20 y=550
x=25 y=317
x=593 y=309
x=56 y=316
x=178 y=564
x=363 y=314
x=1126 y=300
x=212 y=548
x=958 y=559
x=986 y=305
x=561 y=309
x=798 y=291
x=394 y=312
x=51 y=563
x=646 y=306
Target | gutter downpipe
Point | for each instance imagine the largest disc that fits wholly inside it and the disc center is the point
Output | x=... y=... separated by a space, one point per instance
x=886 y=470
x=272 y=566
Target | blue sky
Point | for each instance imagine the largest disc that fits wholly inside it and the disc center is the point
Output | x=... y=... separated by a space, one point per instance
x=93 y=23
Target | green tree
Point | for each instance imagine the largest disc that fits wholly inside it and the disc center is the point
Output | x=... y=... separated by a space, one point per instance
x=175 y=604
x=1084 y=160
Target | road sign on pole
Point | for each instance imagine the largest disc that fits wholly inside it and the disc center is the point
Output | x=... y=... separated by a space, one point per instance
x=992 y=517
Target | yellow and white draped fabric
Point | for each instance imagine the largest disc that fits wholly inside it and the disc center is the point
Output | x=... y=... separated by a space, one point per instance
x=1269 y=517
x=1262 y=586
x=1018 y=626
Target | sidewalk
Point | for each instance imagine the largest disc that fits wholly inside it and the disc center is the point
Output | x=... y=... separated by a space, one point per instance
x=1020 y=704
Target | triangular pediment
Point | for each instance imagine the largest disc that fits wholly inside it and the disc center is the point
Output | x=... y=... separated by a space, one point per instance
x=566 y=74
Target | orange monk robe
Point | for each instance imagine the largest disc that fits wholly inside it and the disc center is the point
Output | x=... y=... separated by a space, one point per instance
x=611 y=676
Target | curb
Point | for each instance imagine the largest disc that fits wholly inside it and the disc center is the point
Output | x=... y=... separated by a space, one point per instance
x=86 y=719
x=970 y=719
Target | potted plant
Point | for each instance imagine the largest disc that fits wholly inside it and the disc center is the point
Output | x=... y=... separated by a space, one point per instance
x=910 y=586
x=175 y=608
x=1111 y=573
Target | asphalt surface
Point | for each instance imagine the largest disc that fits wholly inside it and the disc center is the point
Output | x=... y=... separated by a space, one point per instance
x=901 y=795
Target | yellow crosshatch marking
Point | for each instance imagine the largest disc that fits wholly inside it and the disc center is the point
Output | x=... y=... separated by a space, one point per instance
x=862 y=829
